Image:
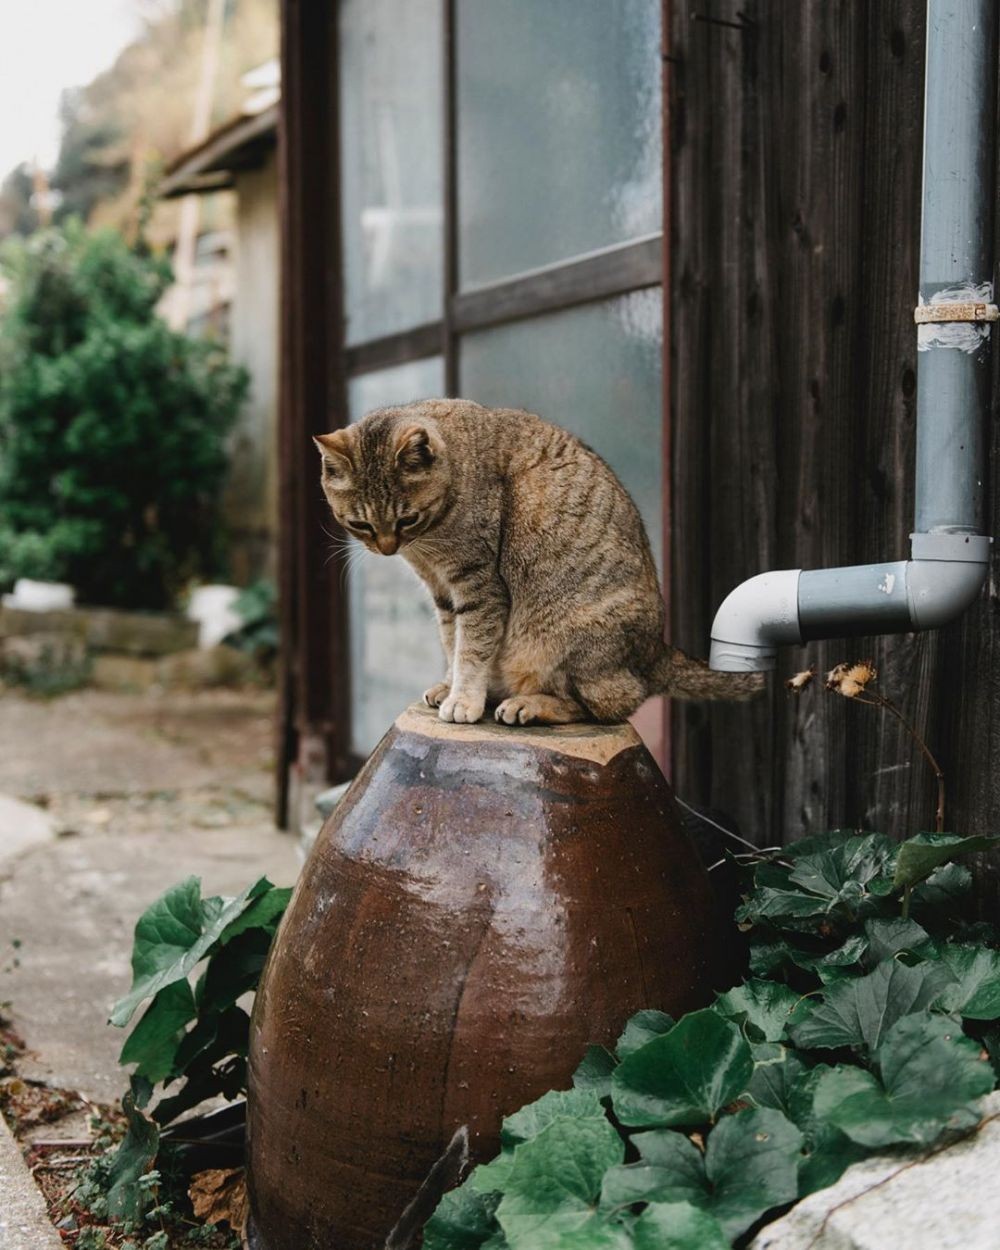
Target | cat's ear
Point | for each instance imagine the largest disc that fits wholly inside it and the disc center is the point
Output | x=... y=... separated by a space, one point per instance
x=335 y=450
x=415 y=448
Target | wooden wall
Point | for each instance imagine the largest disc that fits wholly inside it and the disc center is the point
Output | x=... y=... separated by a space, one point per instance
x=796 y=140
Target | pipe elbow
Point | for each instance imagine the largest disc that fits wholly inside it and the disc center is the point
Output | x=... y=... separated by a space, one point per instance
x=940 y=591
x=753 y=620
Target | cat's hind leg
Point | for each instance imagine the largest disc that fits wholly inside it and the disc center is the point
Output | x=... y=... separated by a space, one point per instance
x=540 y=709
x=611 y=697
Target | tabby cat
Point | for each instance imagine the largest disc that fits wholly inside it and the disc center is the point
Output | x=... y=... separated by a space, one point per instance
x=536 y=557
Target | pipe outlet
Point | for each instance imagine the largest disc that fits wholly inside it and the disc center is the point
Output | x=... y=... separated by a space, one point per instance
x=754 y=620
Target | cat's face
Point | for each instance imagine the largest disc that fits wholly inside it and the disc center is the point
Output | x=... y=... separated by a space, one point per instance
x=386 y=483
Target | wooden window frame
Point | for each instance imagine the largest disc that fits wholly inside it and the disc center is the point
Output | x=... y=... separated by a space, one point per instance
x=314 y=730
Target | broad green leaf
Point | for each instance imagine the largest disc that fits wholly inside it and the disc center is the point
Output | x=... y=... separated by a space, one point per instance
x=212 y=1060
x=463 y=1220
x=773 y=954
x=132 y=1159
x=828 y=1151
x=943 y=898
x=975 y=993
x=929 y=1076
x=859 y=1011
x=764 y=1009
x=594 y=1072
x=172 y=935
x=575 y=1104
x=556 y=1178
x=596 y=1234
x=843 y=871
x=671 y=1169
x=233 y=970
x=215 y=1036
x=885 y=938
x=264 y=912
x=776 y=1070
x=642 y=1028
x=750 y=1164
x=834 y=883
x=684 y=1077
x=919 y=856
x=492 y=1177
x=677 y=1226
x=152 y=1044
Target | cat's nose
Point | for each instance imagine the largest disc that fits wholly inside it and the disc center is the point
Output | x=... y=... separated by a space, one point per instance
x=388 y=543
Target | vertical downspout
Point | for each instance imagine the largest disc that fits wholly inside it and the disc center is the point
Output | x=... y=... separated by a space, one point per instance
x=954 y=315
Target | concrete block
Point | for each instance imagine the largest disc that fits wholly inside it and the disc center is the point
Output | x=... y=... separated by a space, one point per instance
x=24 y=1219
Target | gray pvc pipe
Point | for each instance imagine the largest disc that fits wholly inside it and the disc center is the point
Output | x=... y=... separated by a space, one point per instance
x=956 y=261
x=949 y=554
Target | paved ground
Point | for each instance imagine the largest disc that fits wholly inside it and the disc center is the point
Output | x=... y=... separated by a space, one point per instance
x=140 y=791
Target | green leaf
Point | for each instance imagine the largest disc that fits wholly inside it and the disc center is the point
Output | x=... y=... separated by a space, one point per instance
x=750 y=1164
x=828 y=1151
x=172 y=935
x=929 y=1075
x=132 y=1159
x=595 y=1234
x=594 y=1072
x=776 y=1070
x=233 y=970
x=642 y=1028
x=834 y=883
x=885 y=938
x=677 y=1226
x=264 y=912
x=685 y=1076
x=463 y=1220
x=575 y=1104
x=671 y=1169
x=919 y=856
x=859 y=1012
x=975 y=993
x=152 y=1044
x=492 y=1177
x=556 y=1178
x=764 y=1009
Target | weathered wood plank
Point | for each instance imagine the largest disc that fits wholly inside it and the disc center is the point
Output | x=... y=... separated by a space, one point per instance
x=796 y=151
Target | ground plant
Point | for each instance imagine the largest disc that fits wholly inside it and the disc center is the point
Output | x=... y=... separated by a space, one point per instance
x=193 y=961
x=869 y=1021
x=112 y=425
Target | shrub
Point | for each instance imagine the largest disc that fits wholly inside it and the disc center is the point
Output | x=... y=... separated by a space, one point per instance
x=112 y=425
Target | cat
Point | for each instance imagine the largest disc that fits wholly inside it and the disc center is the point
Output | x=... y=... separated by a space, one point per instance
x=536 y=557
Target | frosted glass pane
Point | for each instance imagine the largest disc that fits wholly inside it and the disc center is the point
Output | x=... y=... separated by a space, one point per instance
x=395 y=651
x=558 y=130
x=391 y=159
x=596 y=371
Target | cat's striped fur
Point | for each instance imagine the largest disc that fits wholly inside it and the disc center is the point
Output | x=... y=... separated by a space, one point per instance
x=536 y=557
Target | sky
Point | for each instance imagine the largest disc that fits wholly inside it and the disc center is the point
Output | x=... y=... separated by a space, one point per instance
x=45 y=46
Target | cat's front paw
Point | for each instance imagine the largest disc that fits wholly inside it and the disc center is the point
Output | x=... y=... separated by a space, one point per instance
x=463 y=709
x=436 y=695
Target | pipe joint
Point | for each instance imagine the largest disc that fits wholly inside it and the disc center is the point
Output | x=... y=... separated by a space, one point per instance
x=754 y=620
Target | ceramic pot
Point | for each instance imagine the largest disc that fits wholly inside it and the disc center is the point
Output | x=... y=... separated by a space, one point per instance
x=482 y=904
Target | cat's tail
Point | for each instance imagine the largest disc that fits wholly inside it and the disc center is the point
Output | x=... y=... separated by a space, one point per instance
x=681 y=676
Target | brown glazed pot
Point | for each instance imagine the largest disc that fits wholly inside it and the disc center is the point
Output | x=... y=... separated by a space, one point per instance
x=482 y=904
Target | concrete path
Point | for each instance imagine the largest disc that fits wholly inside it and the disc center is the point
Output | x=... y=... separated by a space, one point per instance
x=132 y=794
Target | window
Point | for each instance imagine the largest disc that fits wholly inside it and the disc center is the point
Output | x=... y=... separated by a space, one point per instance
x=501 y=199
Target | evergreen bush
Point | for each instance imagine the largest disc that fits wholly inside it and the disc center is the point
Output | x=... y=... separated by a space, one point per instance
x=112 y=425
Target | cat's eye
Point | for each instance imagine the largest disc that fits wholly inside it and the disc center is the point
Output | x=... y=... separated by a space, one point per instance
x=362 y=527
x=404 y=522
